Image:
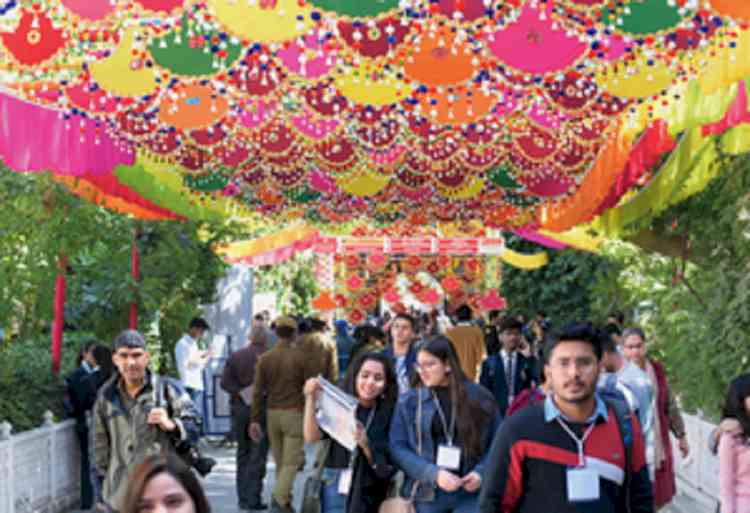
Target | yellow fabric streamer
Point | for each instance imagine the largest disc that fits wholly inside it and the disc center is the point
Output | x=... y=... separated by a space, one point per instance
x=282 y=239
x=736 y=140
x=661 y=191
x=527 y=262
x=578 y=238
x=116 y=73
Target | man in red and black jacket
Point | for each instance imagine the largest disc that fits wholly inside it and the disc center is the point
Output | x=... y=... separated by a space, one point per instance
x=574 y=452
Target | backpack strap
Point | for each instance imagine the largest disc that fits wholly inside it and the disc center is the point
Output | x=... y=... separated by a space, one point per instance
x=625 y=425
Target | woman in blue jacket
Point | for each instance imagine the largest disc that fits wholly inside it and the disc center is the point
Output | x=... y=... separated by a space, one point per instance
x=441 y=433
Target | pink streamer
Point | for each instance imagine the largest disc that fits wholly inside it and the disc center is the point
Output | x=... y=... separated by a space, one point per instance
x=34 y=138
x=735 y=115
x=536 y=237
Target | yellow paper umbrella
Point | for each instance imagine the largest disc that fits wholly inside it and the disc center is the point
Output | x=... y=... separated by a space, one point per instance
x=258 y=21
x=726 y=65
x=363 y=184
x=369 y=85
x=122 y=73
x=640 y=78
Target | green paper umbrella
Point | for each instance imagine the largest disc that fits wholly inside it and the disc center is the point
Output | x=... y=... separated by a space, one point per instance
x=195 y=51
x=501 y=177
x=356 y=8
x=207 y=183
x=644 y=17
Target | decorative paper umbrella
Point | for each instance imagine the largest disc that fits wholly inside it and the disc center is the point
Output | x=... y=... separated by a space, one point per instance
x=506 y=112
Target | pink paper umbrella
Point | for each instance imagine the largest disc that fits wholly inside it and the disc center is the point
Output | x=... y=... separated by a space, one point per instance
x=534 y=44
x=90 y=9
x=307 y=56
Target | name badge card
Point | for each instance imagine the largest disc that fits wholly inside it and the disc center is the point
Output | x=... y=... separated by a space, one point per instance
x=449 y=457
x=345 y=481
x=583 y=485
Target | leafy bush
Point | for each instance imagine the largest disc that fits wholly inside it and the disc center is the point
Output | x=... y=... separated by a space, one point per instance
x=27 y=386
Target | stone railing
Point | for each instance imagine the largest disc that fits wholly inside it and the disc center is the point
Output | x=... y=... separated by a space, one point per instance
x=39 y=469
x=698 y=475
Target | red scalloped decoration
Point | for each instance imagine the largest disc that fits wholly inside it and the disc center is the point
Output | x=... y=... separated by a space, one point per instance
x=373 y=39
x=35 y=39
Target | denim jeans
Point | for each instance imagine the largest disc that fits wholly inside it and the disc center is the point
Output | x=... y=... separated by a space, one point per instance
x=460 y=501
x=331 y=501
x=197 y=397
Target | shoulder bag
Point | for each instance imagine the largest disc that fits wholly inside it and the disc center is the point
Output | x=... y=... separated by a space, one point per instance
x=314 y=483
x=398 y=504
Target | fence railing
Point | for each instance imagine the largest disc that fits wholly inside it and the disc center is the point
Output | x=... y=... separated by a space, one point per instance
x=698 y=475
x=39 y=469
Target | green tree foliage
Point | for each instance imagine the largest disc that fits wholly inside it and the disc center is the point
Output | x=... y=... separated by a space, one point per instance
x=562 y=288
x=292 y=281
x=41 y=223
x=700 y=321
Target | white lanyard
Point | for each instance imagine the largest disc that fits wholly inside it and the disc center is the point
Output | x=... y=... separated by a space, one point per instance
x=579 y=441
x=448 y=434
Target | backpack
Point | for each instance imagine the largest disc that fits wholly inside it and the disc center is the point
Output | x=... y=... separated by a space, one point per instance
x=625 y=425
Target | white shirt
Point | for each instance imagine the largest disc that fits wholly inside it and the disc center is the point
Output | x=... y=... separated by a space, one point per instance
x=189 y=364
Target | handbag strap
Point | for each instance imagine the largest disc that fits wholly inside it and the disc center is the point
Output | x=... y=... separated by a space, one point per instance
x=414 y=487
x=320 y=460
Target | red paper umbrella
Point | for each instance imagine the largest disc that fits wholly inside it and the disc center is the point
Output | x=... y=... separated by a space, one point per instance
x=537 y=144
x=573 y=92
x=338 y=153
x=35 y=39
x=208 y=136
x=193 y=158
x=164 y=141
x=373 y=39
x=469 y=10
x=325 y=99
x=454 y=176
x=90 y=97
x=160 y=5
x=379 y=135
x=433 y=267
x=492 y=301
x=232 y=155
x=411 y=179
x=548 y=185
x=441 y=149
x=276 y=138
x=610 y=105
x=135 y=123
x=258 y=77
x=289 y=177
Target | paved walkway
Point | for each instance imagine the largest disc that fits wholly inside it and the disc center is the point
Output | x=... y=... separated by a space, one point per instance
x=220 y=487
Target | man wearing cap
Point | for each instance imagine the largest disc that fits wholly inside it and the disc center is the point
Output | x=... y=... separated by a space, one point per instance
x=280 y=376
x=137 y=414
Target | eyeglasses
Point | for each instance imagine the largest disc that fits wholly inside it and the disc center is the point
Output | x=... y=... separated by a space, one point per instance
x=419 y=367
x=583 y=364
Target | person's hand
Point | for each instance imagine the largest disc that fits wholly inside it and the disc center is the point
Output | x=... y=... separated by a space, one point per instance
x=472 y=481
x=684 y=446
x=255 y=432
x=730 y=426
x=312 y=385
x=448 y=481
x=525 y=349
x=360 y=435
x=160 y=417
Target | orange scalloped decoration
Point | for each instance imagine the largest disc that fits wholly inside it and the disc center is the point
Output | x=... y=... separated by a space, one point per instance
x=732 y=8
x=439 y=60
x=324 y=302
x=470 y=106
x=196 y=106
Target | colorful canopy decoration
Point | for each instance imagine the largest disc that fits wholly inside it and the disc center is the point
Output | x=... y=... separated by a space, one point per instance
x=534 y=116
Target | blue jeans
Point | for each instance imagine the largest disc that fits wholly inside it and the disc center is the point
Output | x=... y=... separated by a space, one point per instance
x=197 y=397
x=455 y=502
x=331 y=501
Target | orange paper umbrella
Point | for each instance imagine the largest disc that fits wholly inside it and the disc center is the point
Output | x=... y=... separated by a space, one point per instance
x=193 y=106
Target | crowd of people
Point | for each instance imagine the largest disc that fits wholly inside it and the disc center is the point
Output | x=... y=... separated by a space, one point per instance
x=464 y=415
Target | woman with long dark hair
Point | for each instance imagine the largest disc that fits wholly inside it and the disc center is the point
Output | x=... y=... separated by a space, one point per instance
x=164 y=483
x=358 y=482
x=441 y=432
x=734 y=450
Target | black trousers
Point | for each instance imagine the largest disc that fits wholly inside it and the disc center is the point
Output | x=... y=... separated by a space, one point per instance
x=251 y=457
x=87 y=489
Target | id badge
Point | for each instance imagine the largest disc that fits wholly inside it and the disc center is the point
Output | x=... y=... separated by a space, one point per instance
x=449 y=457
x=583 y=485
x=345 y=481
